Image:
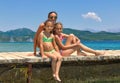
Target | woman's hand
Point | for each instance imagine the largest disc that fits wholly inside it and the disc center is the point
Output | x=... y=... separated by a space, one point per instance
x=34 y=53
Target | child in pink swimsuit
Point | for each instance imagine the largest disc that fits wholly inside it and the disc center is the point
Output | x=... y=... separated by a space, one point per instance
x=72 y=43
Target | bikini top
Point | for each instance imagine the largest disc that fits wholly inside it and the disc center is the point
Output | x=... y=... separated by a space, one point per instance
x=45 y=39
x=61 y=37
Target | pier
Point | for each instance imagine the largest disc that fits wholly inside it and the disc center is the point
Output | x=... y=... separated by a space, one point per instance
x=24 y=58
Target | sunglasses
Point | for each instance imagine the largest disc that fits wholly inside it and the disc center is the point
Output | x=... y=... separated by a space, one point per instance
x=51 y=17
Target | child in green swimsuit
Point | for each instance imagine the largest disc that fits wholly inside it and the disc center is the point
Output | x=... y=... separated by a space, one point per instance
x=48 y=48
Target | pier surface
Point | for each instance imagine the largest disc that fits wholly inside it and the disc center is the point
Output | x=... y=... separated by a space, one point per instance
x=23 y=57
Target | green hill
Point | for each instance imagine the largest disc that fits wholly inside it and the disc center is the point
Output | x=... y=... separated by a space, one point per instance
x=96 y=36
x=27 y=35
x=18 y=35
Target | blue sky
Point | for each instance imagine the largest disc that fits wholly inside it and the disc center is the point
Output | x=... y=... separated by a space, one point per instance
x=92 y=15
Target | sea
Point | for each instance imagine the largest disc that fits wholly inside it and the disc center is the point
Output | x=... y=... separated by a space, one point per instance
x=28 y=46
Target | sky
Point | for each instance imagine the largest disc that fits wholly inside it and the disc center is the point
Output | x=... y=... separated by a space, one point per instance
x=91 y=15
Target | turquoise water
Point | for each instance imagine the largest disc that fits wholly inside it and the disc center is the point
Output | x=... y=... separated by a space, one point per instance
x=102 y=45
x=28 y=46
x=16 y=46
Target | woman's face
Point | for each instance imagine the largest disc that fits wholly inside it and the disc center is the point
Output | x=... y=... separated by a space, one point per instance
x=58 y=29
x=52 y=17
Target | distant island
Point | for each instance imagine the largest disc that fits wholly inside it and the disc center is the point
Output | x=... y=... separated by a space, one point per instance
x=27 y=35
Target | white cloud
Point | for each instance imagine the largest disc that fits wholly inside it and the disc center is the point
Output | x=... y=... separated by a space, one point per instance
x=93 y=16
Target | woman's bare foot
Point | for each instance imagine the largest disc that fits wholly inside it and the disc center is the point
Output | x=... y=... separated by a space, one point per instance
x=97 y=53
x=81 y=54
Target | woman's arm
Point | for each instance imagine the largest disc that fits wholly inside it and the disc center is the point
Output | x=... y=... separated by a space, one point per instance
x=40 y=28
x=41 y=44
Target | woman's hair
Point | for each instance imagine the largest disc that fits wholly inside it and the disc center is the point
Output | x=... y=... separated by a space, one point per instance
x=51 y=13
x=55 y=25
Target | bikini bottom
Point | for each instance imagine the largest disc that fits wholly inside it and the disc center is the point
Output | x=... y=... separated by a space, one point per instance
x=51 y=51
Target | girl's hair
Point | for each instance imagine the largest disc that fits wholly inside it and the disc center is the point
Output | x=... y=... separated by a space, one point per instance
x=51 y=13
x=48 y=21
x=55 y=25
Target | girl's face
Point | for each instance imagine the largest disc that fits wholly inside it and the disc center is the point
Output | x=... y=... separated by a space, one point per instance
x=58 y=29
x=49 y=27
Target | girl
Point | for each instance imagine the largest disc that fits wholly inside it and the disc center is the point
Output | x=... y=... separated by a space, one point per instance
x=48 y=48
x=66 y=50
x=51 y=16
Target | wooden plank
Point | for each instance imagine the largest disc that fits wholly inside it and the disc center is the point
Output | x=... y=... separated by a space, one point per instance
x=8 y=59
x=30 y=59
x=6 y=55
x=22 y=54
x=22 y=57
x=14 y=55
x=2 y=58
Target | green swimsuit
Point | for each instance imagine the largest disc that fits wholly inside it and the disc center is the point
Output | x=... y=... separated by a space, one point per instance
x=45 y=39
